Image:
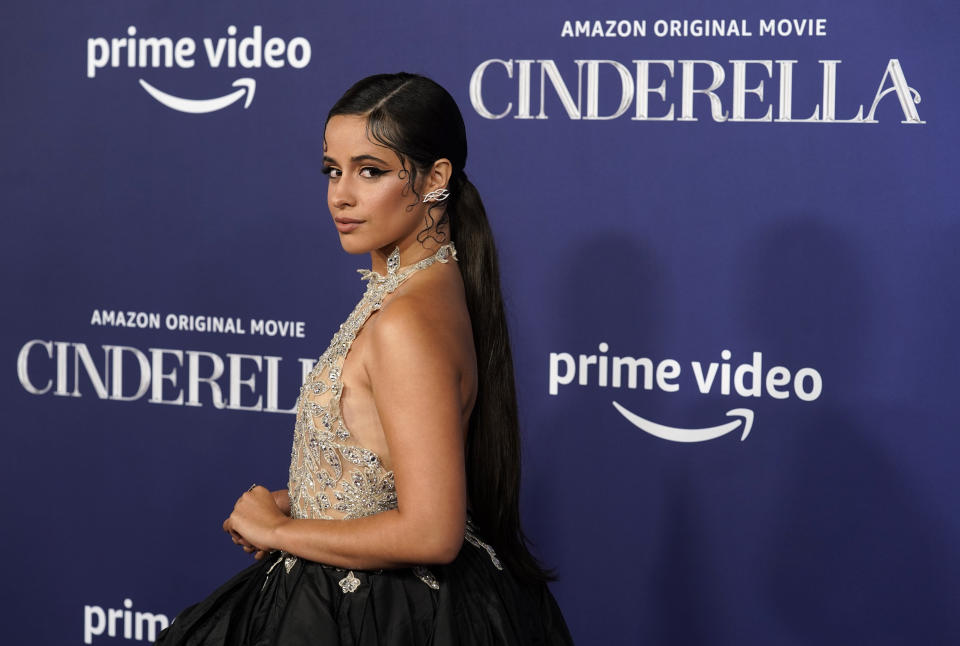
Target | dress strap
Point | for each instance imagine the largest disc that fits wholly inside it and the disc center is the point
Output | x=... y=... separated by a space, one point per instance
x=396 y=274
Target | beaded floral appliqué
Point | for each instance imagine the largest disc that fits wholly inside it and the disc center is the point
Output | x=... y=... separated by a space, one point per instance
x=471 y=537
x=332 y=477
x=349 y=583
x=426 y=576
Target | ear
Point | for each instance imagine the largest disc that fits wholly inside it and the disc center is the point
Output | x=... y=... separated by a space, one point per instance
x=438 y=175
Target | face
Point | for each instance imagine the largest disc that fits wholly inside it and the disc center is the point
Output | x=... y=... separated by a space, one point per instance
x=367 y=194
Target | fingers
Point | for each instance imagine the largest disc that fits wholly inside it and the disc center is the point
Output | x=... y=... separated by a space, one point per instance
x=246 y=546
x=249 y=548
x=238 y=539
x=255 y=492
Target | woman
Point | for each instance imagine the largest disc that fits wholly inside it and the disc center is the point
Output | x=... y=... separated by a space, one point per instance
x=400 y=523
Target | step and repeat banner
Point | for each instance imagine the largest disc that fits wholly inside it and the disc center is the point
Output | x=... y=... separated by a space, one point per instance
x=729 y=243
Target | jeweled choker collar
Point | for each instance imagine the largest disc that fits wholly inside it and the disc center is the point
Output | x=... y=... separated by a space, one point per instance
x=443 y=254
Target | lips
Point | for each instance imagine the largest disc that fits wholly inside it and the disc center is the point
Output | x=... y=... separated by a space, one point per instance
x=345 y=225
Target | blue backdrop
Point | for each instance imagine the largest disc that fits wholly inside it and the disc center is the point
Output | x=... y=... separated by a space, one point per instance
x=659 y=250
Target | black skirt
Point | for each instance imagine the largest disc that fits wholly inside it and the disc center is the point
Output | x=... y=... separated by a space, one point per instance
x=470 y=603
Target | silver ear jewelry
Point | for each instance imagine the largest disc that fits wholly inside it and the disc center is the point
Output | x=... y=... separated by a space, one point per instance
x=438 y=195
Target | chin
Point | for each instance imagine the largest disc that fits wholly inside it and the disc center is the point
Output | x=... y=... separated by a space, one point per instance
x=353 y=245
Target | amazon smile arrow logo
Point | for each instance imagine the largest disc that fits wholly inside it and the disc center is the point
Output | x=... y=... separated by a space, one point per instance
x=257 y=53
x=691 y=434
x=199 y=106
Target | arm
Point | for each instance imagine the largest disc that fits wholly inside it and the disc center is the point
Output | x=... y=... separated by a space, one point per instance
x=415 y=379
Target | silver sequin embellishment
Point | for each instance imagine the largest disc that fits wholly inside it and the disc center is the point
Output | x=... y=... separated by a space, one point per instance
x=471 y=538
x=331 y=476
x=266 y=577
x=426 y=576
x=349 y=583
x=393 y=261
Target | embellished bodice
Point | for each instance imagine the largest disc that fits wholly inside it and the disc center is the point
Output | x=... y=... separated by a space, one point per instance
x=331 y=475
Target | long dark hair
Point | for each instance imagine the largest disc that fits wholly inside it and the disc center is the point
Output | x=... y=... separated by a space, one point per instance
x=419 y=120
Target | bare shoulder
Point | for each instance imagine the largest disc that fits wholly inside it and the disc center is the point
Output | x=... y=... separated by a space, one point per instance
x=425 y=321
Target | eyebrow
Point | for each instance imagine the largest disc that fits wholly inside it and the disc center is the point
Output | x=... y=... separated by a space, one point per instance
x=358 y=158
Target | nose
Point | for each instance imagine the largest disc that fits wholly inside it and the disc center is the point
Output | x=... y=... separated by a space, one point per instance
x=340 y=193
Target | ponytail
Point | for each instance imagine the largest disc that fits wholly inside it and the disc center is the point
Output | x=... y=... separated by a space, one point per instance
x=493 y=439
x=419 y=120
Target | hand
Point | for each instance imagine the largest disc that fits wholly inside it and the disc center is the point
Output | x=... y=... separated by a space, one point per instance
x=247 y=547
x=282 y=498
x=253 y=521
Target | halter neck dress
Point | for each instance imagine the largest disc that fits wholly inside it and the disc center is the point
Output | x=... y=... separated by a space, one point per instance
x=285 y=600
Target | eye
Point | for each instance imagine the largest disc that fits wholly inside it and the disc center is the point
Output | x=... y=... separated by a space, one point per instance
x=331 y=172
x=371 y=172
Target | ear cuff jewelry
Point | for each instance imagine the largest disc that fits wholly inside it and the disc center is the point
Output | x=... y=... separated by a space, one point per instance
x=438 y=195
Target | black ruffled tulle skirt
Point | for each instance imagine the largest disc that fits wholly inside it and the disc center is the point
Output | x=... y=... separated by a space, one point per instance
x=475 y=604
